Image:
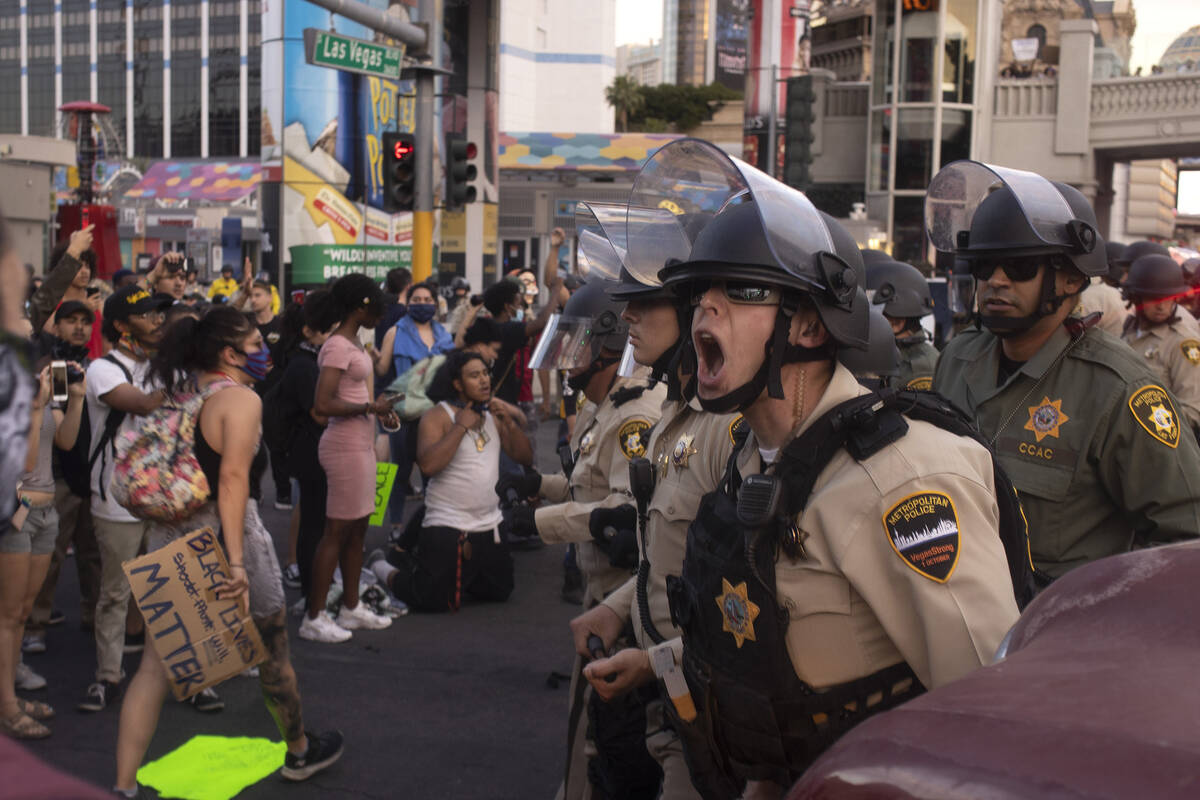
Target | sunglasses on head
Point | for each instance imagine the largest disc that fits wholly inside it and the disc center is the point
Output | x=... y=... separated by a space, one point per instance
x=740 y=292
x=1019 y=269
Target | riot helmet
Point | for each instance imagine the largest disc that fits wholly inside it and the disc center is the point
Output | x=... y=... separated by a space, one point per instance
x=986 y=215
x=880 y=362
x=1154 y=277
x=1116 y=264
x=1143 y=247
x=589 y=332
x=900 y=289
x=743 y=225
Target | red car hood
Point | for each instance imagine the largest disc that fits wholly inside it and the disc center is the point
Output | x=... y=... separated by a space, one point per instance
x=1099 y=697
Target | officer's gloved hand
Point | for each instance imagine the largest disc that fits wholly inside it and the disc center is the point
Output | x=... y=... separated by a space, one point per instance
x=521 y=521
x=615 y=533
x=514 y=488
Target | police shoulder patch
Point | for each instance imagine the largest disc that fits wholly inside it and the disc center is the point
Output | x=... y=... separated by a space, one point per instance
x=1191 y=350
x=1151 y=406
x=631 y=437
x=923 y=384
x=923 y=530
x=736 y=428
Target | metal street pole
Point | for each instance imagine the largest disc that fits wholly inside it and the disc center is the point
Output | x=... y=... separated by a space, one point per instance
x=771 y=140
x=422 y=247
x=377 y=20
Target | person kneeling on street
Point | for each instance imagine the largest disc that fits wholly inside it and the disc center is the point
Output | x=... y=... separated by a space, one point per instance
x=458 y=547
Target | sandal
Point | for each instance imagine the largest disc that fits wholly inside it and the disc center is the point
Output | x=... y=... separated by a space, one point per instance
x=23 y=726
x=36 y=710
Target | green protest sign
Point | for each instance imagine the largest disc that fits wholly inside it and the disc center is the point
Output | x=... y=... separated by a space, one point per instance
x=385 y=477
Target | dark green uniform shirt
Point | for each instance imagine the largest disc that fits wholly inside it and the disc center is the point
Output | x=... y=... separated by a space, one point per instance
x=1089 y=436
x=918 y=360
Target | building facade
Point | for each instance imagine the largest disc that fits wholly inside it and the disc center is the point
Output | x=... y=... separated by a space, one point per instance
x=181 y=76
x=556 y=59
x=642 y=62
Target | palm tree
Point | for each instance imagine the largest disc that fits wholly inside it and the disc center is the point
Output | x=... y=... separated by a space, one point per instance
x=625 y=96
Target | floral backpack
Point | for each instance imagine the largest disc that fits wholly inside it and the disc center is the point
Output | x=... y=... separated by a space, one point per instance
x=156 y=474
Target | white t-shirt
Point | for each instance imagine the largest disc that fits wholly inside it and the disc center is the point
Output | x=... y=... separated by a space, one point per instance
x=102 y=377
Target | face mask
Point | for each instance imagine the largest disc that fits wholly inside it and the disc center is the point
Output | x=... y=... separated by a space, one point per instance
x=519 y=316
x=422 y=312
x=257 y=364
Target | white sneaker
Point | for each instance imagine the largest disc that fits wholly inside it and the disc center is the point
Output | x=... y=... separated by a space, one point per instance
x=323 y=629
x=362 y=618
x=27 y=679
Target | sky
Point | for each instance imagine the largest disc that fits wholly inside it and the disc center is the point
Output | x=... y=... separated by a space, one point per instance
x=1158 y=23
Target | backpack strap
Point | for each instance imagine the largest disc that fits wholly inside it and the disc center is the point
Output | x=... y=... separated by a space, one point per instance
x=112 y=423
x=622 y=396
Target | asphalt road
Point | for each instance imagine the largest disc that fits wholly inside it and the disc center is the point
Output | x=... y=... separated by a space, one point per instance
x=437 y=706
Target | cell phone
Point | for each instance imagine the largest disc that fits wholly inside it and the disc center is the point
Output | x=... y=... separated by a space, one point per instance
x=298 y=296
x=58 y=381
x=92 y=291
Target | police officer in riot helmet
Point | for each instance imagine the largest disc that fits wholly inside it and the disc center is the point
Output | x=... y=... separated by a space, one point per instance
x=1069 y=408
x=823 y=579
x=881 y=364
x=1156 y=331
x=903 y=293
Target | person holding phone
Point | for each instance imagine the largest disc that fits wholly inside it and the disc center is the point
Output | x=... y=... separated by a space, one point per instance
x=167 y=276
x=27 y=545
x=71 y=267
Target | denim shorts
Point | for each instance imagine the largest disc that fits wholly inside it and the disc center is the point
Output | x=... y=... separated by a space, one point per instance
x=37 y=535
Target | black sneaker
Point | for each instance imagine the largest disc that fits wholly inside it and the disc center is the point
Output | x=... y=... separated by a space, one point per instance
x=283 y=501
x=99 y=696
x=135 y=642
x=323 y=750
x=207 y=701
x=56 y=618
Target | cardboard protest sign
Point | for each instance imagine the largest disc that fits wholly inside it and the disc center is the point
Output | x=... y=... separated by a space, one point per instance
x=201 y=640
x=385 y=478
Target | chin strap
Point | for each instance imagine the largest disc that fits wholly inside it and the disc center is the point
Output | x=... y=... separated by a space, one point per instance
x=1048 y=303
x=579 y=382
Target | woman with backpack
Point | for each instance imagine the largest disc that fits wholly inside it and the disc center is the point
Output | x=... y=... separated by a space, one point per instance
x=347 y=454
x=417 y=336
x=222 y=356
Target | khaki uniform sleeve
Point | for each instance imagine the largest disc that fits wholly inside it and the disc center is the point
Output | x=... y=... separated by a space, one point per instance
x=1149 y=462
x=621 y=601
x=1183 y=369
x=946 y=607
x=567 y=521
x=554 y=488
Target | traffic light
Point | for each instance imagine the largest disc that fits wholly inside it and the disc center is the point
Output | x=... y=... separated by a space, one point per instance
x=399 y=171
x=460 y=172
x=797 y=154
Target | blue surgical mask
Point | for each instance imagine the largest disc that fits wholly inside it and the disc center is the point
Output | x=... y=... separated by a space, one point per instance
x=520 y=315
x=422 y=312
x=257 y=364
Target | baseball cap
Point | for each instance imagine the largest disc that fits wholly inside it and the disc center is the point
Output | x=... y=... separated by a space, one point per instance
x=227 y=268
x=120 y=275
x=72 y=307
x=129 y=300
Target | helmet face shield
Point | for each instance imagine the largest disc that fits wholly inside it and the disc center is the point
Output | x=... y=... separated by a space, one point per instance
x=600 y=230
x=566 y=343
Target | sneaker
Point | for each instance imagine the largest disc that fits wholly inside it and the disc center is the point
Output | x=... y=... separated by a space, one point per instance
x=283 y=501
x=362 y=618
x=323 y=629
x=28 y=680
x=323 y=750
x=207 y=701
x=291 y=576
x=298 y=608
x=56 y=618
x=99 y=696
x=34 y=643
x=135 y=642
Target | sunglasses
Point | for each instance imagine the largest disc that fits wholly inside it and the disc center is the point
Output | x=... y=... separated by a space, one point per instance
x=740 y=292
x=1018 y=270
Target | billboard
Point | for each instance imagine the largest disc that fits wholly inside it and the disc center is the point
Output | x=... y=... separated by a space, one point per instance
x=730 y=64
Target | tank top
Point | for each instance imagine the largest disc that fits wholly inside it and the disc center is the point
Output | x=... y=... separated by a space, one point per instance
x=461 y=495
x=210 y=462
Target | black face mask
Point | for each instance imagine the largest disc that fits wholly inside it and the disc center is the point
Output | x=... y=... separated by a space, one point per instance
x=62 y=349
x=579 y=382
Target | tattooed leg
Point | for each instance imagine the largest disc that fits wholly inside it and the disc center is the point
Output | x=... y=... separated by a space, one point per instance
x=278 y=682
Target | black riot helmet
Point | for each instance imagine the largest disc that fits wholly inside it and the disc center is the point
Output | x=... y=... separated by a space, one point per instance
x=1143 y=247
x=1116 y=263
x=1154 y=277
x=876 y=366
x=589 y=332
x=871 y=257
x=900 y=289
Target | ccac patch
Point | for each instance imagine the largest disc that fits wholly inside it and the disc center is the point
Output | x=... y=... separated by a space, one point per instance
x=922 y=384
x=1191 y=350
x=923 y=530
x=1154 y=411
x=632 y=437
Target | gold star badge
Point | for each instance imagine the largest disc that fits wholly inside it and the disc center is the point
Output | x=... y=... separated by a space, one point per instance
x=1045 y=418
x=737 y=611
x=683 y=451
x=1163 y=420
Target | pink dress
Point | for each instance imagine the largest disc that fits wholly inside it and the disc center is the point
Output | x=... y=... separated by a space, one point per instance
x=347 y=448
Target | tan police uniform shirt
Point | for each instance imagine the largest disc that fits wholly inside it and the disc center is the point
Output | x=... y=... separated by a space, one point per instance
x=1089 y=437
x=689 y=450
x=902 y=558
x=1172 y=352
x=606 y=438
x=1099 y=296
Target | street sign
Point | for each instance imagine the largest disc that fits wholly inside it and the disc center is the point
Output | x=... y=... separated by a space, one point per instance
x=333 y=50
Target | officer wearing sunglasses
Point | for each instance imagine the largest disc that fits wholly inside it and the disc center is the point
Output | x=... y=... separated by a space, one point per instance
x=1092 y=439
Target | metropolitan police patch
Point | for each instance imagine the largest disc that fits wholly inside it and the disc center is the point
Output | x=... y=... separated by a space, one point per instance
x=736 y=427
x=922 y=384
x=1154 y=411
x=923 y=530
x=632 y=437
